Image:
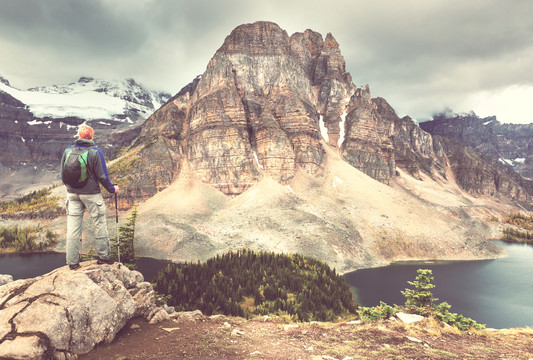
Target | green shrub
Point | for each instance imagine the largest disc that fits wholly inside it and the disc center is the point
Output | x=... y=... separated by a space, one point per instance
x=26 y=239
x=383 y=311
x=441 y=312
x=515 y=235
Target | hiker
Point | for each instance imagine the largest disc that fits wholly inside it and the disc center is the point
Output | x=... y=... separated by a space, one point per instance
x=83 y=169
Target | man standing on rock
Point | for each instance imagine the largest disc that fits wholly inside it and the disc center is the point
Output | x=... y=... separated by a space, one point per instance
x=83 y=169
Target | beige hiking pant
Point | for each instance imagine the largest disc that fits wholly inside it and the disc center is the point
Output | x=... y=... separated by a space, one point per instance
x=76 y=205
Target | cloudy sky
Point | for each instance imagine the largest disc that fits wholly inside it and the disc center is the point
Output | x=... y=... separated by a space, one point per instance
x=421 y=55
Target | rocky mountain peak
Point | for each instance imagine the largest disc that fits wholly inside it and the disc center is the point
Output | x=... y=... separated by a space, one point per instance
x=85 y=79
x=263 y=107
x=310 y=40
x=330 y=42
x=259 y=38
x=257 y=110
x=499 y=156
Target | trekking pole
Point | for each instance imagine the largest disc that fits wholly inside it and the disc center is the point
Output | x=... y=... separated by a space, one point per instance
x=116 y=221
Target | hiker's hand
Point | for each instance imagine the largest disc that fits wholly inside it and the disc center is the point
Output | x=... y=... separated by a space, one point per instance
x=116 y=189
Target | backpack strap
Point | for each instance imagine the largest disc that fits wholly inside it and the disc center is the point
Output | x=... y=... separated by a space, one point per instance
x=86 y=150
x=89 y=172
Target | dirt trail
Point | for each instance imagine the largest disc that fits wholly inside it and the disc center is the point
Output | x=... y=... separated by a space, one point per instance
x=237 y=338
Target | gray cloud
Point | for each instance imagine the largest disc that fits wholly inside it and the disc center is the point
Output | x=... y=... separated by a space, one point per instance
x=419 y=55
x=86 y=26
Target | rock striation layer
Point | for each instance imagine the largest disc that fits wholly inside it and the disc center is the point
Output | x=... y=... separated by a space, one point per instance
x=378 y=141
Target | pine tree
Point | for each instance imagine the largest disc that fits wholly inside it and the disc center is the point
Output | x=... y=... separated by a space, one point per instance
x=90 y=255
x=126 y=238
x=420 y=300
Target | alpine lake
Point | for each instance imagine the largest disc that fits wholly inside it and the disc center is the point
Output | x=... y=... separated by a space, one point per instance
x=498 y=293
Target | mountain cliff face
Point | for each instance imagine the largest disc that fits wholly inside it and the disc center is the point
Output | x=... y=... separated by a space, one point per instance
x=488 y=158
x=378 y=141
x=255 y=110
x=261 y=109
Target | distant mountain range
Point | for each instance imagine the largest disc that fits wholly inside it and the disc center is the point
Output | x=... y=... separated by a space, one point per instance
x=509 y=144
x=89 y=99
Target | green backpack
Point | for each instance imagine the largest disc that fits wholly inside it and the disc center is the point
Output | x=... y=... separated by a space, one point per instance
x=75 y=169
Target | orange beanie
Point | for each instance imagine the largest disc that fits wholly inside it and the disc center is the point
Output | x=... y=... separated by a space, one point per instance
x=85 y=132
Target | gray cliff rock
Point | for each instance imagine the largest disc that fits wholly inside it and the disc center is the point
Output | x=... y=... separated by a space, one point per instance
x=65 y=312
x=487 y=158
x=378 y=141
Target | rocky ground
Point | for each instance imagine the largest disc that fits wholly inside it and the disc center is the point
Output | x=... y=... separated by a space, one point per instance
x=201 y=337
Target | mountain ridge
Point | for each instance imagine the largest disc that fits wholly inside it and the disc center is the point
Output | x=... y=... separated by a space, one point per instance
x=487 y=157
x=84 y=100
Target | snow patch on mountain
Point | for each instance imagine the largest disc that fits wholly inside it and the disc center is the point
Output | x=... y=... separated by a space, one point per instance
x=323 y=129
x=90 y=99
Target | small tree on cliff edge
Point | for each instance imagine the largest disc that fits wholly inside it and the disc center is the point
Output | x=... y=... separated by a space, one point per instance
x=127 y=235
x=420 y=299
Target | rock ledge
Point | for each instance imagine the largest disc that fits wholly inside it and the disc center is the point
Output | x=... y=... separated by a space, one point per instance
x=64 y=313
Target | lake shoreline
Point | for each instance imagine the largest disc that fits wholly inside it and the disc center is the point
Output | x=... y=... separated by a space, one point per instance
x=378 y=265
x=482 y=290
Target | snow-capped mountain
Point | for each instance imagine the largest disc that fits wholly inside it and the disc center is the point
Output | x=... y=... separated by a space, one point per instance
x=90 y=99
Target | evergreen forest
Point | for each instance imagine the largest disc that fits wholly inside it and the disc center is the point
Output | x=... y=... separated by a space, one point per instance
x=37 y=204
x=25 y=239
x=246 y=283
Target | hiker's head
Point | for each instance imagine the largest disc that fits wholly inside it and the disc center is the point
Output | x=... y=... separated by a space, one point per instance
x=85 y=132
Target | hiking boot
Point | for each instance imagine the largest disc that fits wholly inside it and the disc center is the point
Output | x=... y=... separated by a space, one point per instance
x=74 y=266
x=102 y=261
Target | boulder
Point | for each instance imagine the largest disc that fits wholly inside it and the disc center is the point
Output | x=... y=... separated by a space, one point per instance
x=4 y=279
x=190 y=315
x=65 y=313
x=409 y=318
x=159 y=316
